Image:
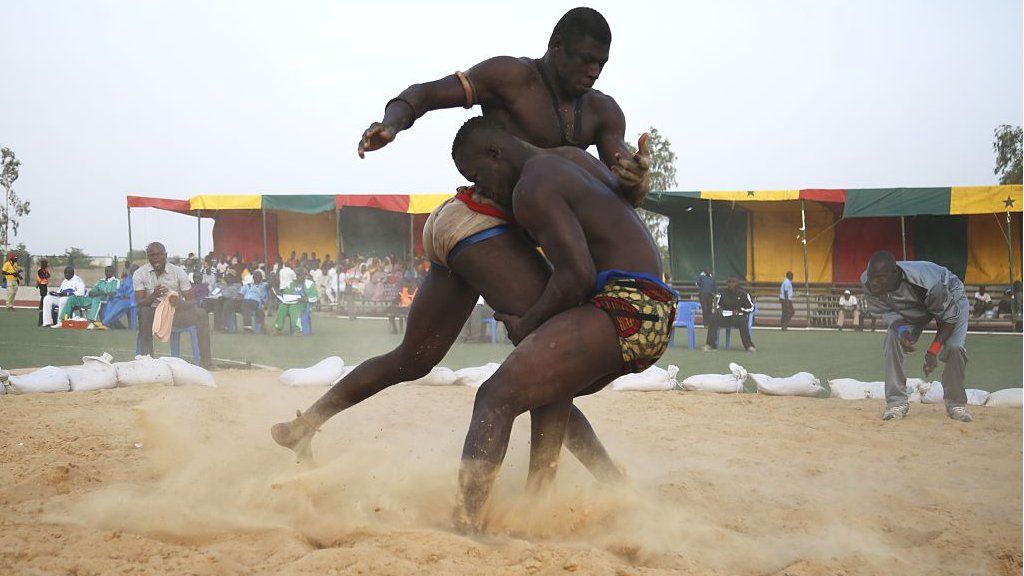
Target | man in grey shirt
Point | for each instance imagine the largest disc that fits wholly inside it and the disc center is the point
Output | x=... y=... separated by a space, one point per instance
x=155 y=281
x=908 y=296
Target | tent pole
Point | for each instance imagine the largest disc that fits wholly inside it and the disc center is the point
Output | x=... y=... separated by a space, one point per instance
x=1009 y=244
x=711 y=234
x=129 y=237
x=199 y=233
x=807 y=275
x=266 y=255
x=337 y=260
x=903 y=235
x=412 y=236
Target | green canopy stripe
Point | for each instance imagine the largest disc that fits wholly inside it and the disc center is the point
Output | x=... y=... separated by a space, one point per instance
x=306 y=204
x=896 y=202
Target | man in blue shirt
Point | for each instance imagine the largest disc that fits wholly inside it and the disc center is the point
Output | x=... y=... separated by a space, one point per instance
x=786 y=297
x=254 y=299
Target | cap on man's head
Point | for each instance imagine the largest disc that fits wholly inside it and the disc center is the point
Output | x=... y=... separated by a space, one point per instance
x=846 y=291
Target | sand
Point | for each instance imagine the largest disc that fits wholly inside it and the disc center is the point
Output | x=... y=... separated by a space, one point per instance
x=153 y=480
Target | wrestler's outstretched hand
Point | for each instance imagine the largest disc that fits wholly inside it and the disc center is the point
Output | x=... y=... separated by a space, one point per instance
x=632 y=173
x=511 y=322
x=377 y=136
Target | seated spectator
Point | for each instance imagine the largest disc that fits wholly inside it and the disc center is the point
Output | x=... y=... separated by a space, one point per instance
x=71 y=286
x=162 y=282
x=982 y=301
x=225 y=299
x=293 y=300
x=122 y=302
x=732 y=308
x=848 y=304
x=98 y=295
x=254 y=300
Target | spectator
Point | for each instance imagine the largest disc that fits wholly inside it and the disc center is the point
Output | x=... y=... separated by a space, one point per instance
x=786 y=298
x=98 y=295
x=42 y=281
x=1015 y=307
x=293 y=299
x=225 y=299
x=191 y=263
x=71 y=286
x=254 y=300
x=706 y=293
x=848 y=304
x=122 y=302
x=159 y=280
x=982 y=301
x=12 y=276
x=734 y=306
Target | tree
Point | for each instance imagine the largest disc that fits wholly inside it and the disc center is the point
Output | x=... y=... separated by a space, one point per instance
x=74 y=256
x=662 y=177
x=13 y=207
x=1008 y=154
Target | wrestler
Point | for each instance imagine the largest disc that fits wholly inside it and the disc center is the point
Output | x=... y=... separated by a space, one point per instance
x=548 y=102
x=604 y=311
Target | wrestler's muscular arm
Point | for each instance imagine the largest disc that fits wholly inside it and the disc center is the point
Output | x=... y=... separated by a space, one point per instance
x=541 y=206
x=630 y=169
x=492 y=81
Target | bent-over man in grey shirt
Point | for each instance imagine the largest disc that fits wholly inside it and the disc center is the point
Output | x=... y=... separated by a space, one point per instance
x=908 y=296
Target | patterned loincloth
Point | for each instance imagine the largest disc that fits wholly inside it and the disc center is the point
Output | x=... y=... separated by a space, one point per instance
x=643 y=309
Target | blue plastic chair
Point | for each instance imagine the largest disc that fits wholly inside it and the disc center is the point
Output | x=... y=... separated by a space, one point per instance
x=492 y=328
x=750 y=327
x=686 y=314
x=176 y=342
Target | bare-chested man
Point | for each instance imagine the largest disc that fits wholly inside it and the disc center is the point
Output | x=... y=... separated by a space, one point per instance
x=471 y=242
x=604 y=312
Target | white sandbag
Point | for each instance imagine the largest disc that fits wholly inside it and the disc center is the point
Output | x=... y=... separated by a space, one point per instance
x=475 y=376
x=653 y=379
x=46 y=379
x=438 y=376
x=95 y=373
x=853 y=389
x=185 y=373
x=799 y=384
x=720 y=383
x=931 y=393
x=4 y=375
x=1006 y=398
x=976 y=397
x=143 y=370
x=324 y=373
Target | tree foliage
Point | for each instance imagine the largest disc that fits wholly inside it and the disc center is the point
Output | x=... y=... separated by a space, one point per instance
x=662 y=177
x=1007 y=147
x=73 y=256
x=12 y=208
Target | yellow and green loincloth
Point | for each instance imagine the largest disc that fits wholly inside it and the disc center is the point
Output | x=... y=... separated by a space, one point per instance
x=642 y=308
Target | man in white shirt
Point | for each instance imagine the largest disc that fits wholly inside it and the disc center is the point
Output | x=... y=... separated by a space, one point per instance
x=71 y=286
x=848 y=305
x=982 y=301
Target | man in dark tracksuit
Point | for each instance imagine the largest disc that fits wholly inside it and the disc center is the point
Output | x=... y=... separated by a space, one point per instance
x=706 y=293
x=733 y=307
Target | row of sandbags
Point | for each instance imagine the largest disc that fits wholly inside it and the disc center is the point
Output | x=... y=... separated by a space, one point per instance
x=99 y=373
x=330 y=370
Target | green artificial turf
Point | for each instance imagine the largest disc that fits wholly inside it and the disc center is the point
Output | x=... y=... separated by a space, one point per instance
x=995 y=360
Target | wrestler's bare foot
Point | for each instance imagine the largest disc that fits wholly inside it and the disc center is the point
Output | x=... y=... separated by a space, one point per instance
x=296 y=435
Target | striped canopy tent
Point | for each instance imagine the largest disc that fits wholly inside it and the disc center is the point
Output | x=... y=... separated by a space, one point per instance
x=826 y=235
x=262 y=226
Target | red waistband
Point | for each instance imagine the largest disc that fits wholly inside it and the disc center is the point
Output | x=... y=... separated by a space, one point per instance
x=466 y=196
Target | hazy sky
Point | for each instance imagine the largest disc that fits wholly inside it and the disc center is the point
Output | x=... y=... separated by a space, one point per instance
x=174 y=99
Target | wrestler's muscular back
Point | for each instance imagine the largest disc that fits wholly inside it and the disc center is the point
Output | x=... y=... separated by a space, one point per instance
x=511 y=91
x=616 y=237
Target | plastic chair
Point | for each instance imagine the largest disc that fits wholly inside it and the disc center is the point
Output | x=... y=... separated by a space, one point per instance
x=176 y=342
x=750 y=326
x=686 y=315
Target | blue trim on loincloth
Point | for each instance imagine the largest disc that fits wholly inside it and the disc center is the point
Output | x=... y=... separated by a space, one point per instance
x=478 y=237
x=605 y=276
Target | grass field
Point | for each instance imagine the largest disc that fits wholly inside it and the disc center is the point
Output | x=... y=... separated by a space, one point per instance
x=995 y=360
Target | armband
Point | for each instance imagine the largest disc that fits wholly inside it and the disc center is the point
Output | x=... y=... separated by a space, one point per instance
x=467 y=87
x=934 y=348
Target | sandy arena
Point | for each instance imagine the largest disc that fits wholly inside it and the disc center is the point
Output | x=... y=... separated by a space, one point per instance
x=153 y=480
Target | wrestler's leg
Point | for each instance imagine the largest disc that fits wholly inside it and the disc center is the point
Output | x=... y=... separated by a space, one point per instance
x=567 y=354
x=511 y=275
x=438 y=312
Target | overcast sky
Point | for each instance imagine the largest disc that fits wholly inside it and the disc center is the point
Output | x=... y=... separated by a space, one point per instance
x=104 y=99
